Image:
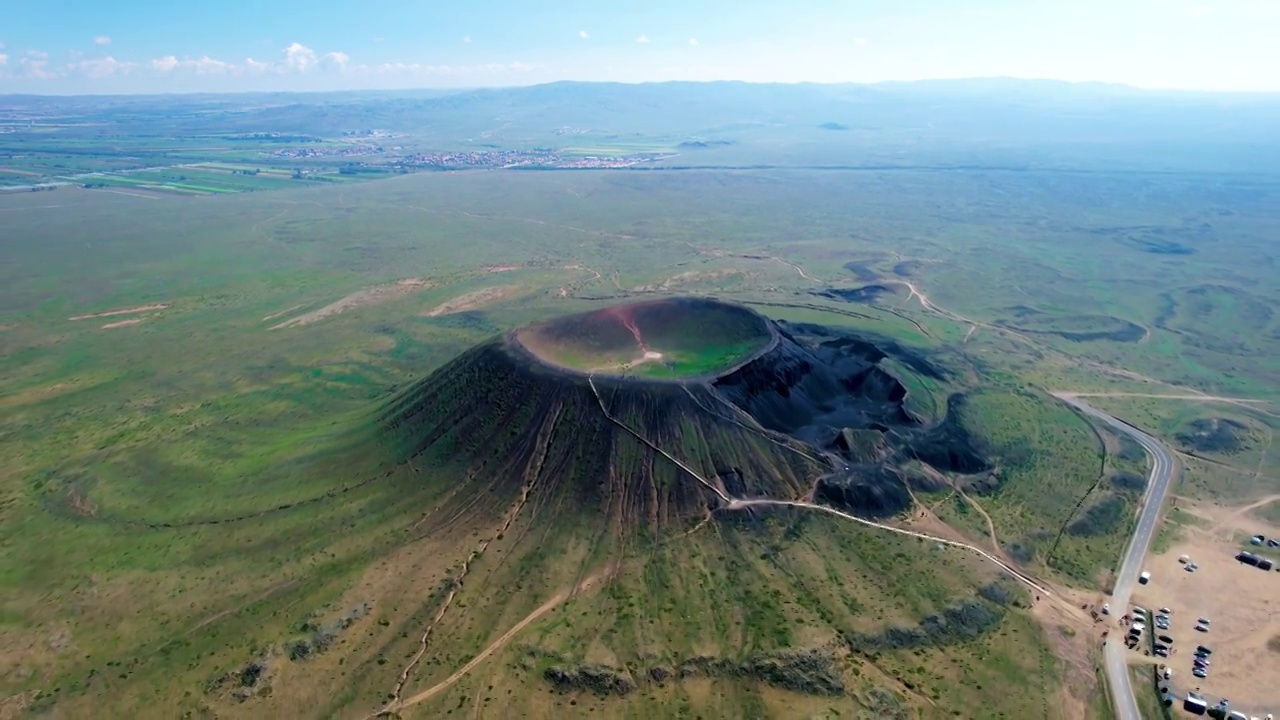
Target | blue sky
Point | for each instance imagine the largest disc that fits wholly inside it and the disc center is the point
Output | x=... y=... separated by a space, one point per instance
x=115 y=46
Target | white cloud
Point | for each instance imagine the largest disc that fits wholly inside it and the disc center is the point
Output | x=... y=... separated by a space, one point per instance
x=466 y=38
x=210 y=66
x=642 y=39
x=36 y=67
x=103 y=67
x=102 y=40
x=693 y=41
x=860 y=41
x=296 y=59
x=337 y=59
x=583 y=34
x=299 y=57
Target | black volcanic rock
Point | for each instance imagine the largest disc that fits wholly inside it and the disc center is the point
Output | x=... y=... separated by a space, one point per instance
x=597 y=679
x=870 y=491
x=791 y=420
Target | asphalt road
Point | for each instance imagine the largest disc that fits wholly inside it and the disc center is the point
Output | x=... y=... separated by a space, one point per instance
x=1163 y=469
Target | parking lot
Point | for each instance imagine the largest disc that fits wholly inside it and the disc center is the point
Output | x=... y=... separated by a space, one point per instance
x=1242 y=604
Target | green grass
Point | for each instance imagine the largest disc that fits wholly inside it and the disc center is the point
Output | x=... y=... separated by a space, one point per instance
x=1048 y=461
x=201 y=411
x=707 y=361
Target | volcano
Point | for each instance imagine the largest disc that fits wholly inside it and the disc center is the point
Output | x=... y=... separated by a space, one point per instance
x=612 y=509
x=655 y=412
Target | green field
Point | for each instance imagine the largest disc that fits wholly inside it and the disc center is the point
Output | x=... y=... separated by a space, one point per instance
x=203 y=479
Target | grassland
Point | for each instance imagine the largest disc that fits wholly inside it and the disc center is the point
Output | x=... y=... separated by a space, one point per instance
x=123 y=445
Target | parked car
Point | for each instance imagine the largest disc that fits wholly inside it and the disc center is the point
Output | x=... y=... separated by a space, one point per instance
x=1202 y=628
x=1204 y=649
x=1165 y=639
x=1165 y=611
x=1168 y=673
x=1162 y=651
x=1200 y=673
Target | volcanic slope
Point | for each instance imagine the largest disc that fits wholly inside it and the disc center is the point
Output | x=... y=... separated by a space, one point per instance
x=517 y=421
x=577 y=558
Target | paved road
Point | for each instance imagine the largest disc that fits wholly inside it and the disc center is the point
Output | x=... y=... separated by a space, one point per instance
x=1163 y=469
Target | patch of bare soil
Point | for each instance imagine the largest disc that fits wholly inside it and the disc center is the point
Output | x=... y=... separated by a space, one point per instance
x=125 y=311
x=285 y=311
x=688 y=278
x=368 y=296
x=122 y=323
x=500 y=268
x=81 y=504
x=1241 y=602
x=34 y=394
x=472 y=300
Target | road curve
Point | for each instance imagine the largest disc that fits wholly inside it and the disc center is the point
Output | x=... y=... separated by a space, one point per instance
x=1164 y=467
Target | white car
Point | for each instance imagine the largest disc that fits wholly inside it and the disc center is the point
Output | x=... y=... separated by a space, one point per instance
x=1165 y=611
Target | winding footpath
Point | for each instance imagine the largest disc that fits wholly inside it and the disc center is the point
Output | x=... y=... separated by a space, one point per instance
x=729 y=502
x=1164 y=468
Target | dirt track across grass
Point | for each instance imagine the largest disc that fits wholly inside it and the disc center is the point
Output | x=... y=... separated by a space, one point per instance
x=367 y=296
x=122 y=323
x=125 y=311
x=472 y=300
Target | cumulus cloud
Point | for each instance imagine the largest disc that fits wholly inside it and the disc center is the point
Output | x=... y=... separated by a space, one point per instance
x=102 y=40
x=583 y=34
x=299 y=57
x=642 y=39
x=36 y=66
x=295 y=59
x=102 y=67
x=210 y=66
x=164 y=64
x=693 y=41
x=338 y=60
